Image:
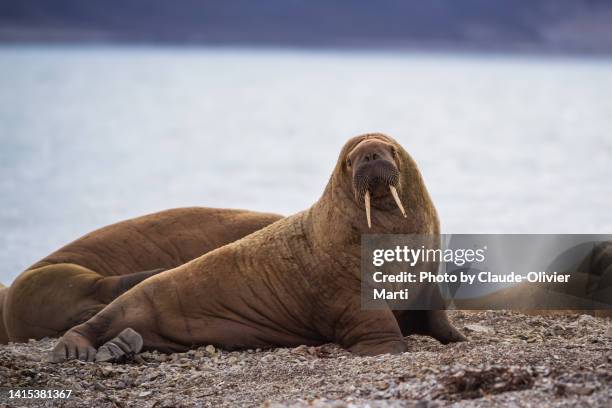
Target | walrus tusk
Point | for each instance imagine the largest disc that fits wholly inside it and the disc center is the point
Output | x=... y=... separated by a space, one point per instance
x=397 y=200
x=367 y=206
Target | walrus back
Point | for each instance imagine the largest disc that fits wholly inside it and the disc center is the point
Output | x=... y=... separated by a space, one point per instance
x=165 y=239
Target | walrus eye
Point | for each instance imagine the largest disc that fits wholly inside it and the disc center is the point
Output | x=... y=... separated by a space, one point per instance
x=348 y=162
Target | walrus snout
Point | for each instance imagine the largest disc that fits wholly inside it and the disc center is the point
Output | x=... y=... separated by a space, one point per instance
x=374 y=169
x=375 y=177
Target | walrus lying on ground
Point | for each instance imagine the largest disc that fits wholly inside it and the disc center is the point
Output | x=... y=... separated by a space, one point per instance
x=295 y=282
x=77 y=281
x=590 y=284
x=3 y=334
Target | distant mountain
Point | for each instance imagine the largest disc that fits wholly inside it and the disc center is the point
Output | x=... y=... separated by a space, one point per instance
x=546 y=25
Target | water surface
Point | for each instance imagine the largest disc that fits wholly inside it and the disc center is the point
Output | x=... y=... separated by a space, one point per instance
x=90 y=136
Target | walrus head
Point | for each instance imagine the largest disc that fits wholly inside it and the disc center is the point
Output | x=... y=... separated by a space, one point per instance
x=377 y=187
x=375 y=173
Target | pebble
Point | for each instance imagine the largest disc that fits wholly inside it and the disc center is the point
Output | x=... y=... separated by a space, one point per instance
x=479 y=328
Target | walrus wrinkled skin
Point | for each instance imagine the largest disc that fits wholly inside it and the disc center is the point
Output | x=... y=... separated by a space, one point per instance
x=294 y=282
x=74 y=283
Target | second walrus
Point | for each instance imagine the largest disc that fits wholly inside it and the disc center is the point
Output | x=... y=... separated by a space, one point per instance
x=294 y=282
x=78 y=280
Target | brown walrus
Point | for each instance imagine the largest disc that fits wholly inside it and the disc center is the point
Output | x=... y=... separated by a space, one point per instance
x=294 y=282
x=74 y=283
x=3 y=334
x=590 y=284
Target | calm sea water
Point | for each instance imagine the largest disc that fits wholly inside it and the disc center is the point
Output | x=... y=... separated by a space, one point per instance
x=90 y=136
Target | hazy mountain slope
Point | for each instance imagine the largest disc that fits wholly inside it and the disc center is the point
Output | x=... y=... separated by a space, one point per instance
x=579 y=25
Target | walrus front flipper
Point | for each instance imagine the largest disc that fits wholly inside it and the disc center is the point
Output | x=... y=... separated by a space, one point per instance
x=441 y=329
x=369 y=332
x=73 y=346
x=126 y=344
x=432 y=323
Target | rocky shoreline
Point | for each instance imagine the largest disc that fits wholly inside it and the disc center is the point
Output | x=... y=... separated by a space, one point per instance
x=511 y=359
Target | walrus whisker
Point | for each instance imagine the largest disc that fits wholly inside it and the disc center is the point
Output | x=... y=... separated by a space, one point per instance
x=397 y=200
x=367 y=206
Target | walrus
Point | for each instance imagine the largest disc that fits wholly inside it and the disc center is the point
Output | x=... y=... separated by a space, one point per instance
x=294 y=282
x=72 y=284
x=3 y=333
x=590 y=284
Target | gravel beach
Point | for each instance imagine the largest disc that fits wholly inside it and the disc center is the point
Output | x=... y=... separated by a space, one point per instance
x=511 y=359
